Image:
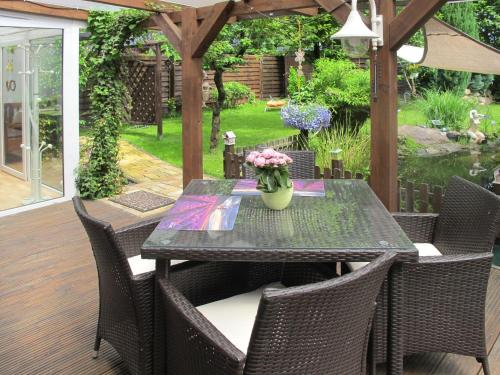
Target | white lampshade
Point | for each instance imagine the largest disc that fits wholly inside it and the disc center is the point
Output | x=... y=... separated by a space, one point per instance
x=355 y=35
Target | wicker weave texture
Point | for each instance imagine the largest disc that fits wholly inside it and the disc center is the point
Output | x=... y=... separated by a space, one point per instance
x=468 y=219
x=319 y=328
x=125 y=309
x=127 y=301
x=444 y=297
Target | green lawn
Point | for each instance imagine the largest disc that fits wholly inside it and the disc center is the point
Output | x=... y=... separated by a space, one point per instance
x=409 y=114
x=250 y=123
x=252 y=126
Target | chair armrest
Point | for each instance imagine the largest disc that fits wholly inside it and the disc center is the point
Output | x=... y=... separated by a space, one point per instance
x=457 y=261
x=418 y=227
x=133 y=236
x=194 y=345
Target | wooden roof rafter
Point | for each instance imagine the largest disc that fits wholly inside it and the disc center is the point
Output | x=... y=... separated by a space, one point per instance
x=43 y=9
x=411 y=18
x=252 y=7
x=149 y=5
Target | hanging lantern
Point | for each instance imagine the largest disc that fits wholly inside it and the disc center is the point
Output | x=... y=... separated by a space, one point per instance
x=355 y=36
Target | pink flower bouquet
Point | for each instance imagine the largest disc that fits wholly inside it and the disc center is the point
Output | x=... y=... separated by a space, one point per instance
x=271 y=168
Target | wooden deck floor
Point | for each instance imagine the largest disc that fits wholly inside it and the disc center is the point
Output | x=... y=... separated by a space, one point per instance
x=48 y=300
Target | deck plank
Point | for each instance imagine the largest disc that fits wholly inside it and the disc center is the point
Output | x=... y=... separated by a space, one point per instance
x=49 y=300
x=49 y=293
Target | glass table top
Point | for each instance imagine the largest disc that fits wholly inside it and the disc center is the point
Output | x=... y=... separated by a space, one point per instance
x=350 y=216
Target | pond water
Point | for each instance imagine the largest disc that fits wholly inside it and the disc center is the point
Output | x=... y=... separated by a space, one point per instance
x=476 y=165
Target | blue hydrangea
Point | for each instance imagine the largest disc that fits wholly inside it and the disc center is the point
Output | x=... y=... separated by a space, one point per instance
x=312 y=117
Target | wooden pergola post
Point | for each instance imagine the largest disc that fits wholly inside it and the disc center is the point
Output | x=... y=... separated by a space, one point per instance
x=384 y=120
x=192 y=103
x=158 y=91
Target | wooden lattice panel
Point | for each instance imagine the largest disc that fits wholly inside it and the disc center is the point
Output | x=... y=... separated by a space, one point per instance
x=141 y=86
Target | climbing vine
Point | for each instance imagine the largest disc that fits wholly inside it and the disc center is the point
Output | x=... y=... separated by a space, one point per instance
x=99 y=174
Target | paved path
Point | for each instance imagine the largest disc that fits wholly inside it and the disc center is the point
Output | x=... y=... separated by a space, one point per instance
x=149 y=173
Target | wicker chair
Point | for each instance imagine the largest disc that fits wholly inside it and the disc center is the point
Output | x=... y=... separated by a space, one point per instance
x=301 y=168
x=126 y=288
x=445 y=295
x=321 y=328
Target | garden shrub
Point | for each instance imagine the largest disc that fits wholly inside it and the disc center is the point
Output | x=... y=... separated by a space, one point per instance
x=99 y=174
x=481 y=83
x=236 y=94
x=448 y=107
x=343 y=88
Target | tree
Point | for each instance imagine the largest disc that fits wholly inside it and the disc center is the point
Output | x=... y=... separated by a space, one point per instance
x=225 y=53
x=488 y=18
x=281 y=35
x=463 y=17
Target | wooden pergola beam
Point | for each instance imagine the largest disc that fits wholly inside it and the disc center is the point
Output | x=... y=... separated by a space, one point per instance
x=170 y=29
x=305 y=12
x=411 y=18
x=44 y=10
x=210 y=27
x=150 y=5
x=339 y=9
x=251 y=8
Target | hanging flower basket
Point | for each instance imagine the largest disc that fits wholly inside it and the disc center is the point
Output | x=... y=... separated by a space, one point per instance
x=310 y=117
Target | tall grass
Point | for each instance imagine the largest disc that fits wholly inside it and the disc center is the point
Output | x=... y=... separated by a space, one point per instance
x=354 y=147
x=451 y=109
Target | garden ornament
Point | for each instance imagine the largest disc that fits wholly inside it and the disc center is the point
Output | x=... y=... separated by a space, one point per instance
x=205 y=89
x=475 y=120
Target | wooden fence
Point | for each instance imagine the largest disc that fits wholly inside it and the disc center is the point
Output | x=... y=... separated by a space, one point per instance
x=421 y=198
x=264 y=75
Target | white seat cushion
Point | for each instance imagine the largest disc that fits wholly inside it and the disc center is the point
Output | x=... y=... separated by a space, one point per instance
x=427 y=250
x=424 y=250
x=234 y=317
x=140 y=266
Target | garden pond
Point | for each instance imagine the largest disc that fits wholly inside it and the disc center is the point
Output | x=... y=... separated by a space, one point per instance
x=476 y=165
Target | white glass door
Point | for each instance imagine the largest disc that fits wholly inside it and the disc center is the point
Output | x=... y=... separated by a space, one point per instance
x=13 y=155
x=31 y=116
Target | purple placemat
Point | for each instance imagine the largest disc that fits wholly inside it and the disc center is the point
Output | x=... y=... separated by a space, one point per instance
x=202 y=212
x=301 y=188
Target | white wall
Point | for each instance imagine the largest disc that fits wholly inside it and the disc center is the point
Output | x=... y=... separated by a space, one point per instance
x=71 y=99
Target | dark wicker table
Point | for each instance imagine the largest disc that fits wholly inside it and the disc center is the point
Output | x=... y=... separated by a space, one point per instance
x=348 y=224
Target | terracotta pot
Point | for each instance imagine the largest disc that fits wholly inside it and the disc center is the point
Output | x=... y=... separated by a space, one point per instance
x=279 y=200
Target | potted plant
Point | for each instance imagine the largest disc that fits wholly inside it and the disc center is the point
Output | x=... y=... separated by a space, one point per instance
x=273 y=180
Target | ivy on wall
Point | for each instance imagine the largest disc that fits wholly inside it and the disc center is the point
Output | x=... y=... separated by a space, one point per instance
x=102 y=73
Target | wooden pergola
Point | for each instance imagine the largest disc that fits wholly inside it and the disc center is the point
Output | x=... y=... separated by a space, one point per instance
x=191 y=30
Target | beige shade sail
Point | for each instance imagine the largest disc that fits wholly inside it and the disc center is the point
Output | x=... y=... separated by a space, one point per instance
x=450 y=49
